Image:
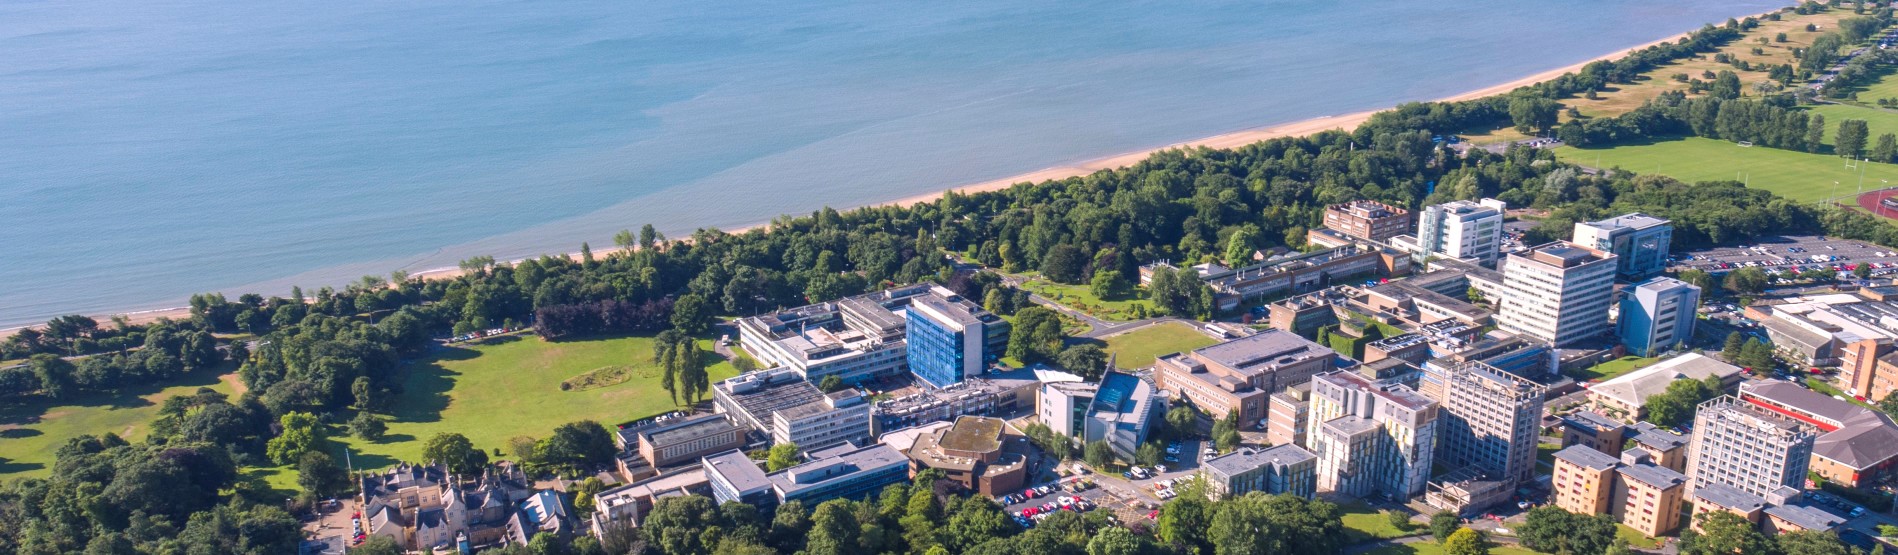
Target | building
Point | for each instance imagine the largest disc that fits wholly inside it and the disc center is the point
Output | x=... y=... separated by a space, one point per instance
x=1640 y=494
x=1594 y=431
x=1558 y=292
x=1368 y=219
x=1815 y=329
x=1491 y=420
x=1370 y=437
x=1857 y=447
x=1273 y=470
x=628 y=505
x=1415 y=304
x=996 y=393
x=950 y=338
x=976 y=452
x=735 y=478
x=1239 y=375
x=1304 y=314
x=1639 y=242
x=1459 y=229
x=867 y=337
x=1626 y=396
x=1291 y=273
x=544 y=512
x=781 y=404
x=1748 y=446
x=1287 y=417
x=1658 y=315
x=1120 y=410
x=1723 y=497
x=422 y=507
x=1666 y=448
x=688 y=439
x=1783 y=519
x=840 y=472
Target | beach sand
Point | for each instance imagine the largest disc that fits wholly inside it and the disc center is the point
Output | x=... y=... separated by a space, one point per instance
x=1228 y=140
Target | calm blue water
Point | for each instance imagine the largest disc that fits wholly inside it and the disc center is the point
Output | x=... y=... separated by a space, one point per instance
x=151 y=149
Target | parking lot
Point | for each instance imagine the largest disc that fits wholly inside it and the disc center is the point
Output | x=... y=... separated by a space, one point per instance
x=1795 y=253
x=1128 y=497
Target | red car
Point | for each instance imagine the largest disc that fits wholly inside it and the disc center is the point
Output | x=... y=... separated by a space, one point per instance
x=1155 y=515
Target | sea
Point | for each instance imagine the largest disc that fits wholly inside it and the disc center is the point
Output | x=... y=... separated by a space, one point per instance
x=152 y=149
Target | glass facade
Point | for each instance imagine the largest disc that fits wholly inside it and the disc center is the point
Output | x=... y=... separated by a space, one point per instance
x=935 y=350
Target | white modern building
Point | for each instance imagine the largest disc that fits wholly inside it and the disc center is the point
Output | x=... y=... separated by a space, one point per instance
x=1370 y=437
x=1459 y=229
x=1657 y=315
x=1639 y=241
x=1558 y=292
x=1120 y=409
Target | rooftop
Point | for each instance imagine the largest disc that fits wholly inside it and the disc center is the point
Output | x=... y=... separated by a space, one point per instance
x=1592 y=420
x=1806 y=516
x=1648 y=434
x=1587 y=457
x=1263 y=352
x=1860 y=438
x=1636 y=220
x=1247 y=458
x=1562 y=254
x=1634 y=388
x=1654 y=476
x=1728 y=497
x=734 y=468
x=688 y=429
x=1398 y=394
x=977 y=434
x=817 y=472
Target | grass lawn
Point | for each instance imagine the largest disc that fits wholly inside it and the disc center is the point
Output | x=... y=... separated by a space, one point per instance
x=1803 y=177
x=1877 y=121
x=1138 y=348
x=1609 y=370
x=31 y=432
x=1635 y=538
x=1622 y=98
x=1545 y=452
x=1823 y=387
x=1364 y=523
x=1081 y=297
x=496 y=391
x=1427 y=547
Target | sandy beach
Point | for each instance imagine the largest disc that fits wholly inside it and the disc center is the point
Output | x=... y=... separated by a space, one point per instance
x=1227 y=140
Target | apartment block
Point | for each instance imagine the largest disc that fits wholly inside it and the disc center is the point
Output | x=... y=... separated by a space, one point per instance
x=1491 y=420
x=1239 y=375
x=1722 y=497
x=1640 y=243
x=1459 y=229
x=781 y=404
x=1370 y=437
x=1557 y=292
x=1584 y=480
x=1368 y=219
x=1273 y=470
x=1640 y=494
x=1658 y=315
x=1594 y=431
x=1748 y=446
x=1869 y=368
x=1289 y=415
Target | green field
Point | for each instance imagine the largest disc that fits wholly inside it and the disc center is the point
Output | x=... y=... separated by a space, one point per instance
x=1081 y=297
x=31 y=432
x=1635 y=537
x=1611 y=369
x=1800 y=176
x=497 y=391
x=1364 y=523
x=1138 y=348
x=1877 y=121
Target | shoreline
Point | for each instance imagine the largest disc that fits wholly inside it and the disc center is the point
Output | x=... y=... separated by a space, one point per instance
x=1232 y=139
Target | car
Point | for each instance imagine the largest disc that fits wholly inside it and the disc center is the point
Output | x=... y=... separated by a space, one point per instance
x=1159 y=468
x=1129 y=474
x=1154 y=515
x=1857 y=512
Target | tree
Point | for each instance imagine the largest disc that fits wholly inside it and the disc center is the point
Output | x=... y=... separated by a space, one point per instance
x=1726 y=86
x=54 y=373
x=1884 y=151
x=1889 y=404
x=1755 y=354
x=456 y=452
x=1087 y=361
x=1148 y=454
x=320 y=476
x=1466 y=542
x=1697 y=278
x=1746 y=281
x=1731 y=349
x=783 y=455
x=834 y=529
x=1097 y=454
x=830 y=383
x=1114 y=540
x=1036 y=335
x=1812 y=542
x=583 y=494
x=1109 y=285
x=1723 y=533
x=1676 y=405
x=1553 y=530
x=575 y=447
x=1226 y=432
x=300 y=435
x=1398 y=519
x=1863 y=270
x=1239 y=248
x=1064 y=264
x=1183 y=522
x=1815 y=133
x=690 y=315
x=1533 y=113
x=368 y=427
x=1850 y=142
x=1444 y=523
x=1182 y=422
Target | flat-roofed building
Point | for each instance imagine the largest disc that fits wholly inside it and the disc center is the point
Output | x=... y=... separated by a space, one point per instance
x=1784 y=519
x=1648 y=498
x=1640 y=242
x=1368 y=219
x=950 y=338
x=781 y=404
x=1273 y=470
x=1558 y=292
x=976 y=452
x=1626 y=396
x=1857 y=446
x=689 y=439
x=1370 y=436
x=1289 y=416
x=628 y=505
x=1724 y=497
x=1595 y=431
x=841 y=473
x=1120 y=410
x=1658 y=315
x=1304 y=314
x=735 y=478
x=1294 y=273
x=1460 y=229
x=1748 y=446
x=1584 y=480
x=1237 y=376
x=867 y=337
x=1490 y=420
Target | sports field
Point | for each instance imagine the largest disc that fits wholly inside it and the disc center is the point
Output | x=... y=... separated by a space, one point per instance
x=1877 y=121
x=31 y=432
x=1138 y=348
x=1800 y=176
x=511 y=388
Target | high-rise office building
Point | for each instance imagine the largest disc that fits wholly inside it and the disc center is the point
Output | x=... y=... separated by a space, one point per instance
x=1748 y=446
x=1370 y=436
x=1461 y=229
x=1657 y=315
x=1558 y=292
x=1491 y=420
x=1639 y=241
x=950 y=338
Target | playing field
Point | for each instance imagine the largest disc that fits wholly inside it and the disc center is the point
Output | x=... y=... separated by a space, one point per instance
x=1138 y=348
x=31 y=432
x=1799 y=176
x=497 y=391
x=1877 y=121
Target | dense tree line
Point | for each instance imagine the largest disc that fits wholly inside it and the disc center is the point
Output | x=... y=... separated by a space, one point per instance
x=602 y=317
x=164 y=352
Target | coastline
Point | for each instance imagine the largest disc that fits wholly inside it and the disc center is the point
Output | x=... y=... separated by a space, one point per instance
x=1221 y=141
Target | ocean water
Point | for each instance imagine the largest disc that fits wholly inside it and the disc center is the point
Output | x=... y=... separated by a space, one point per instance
x=152 y=149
